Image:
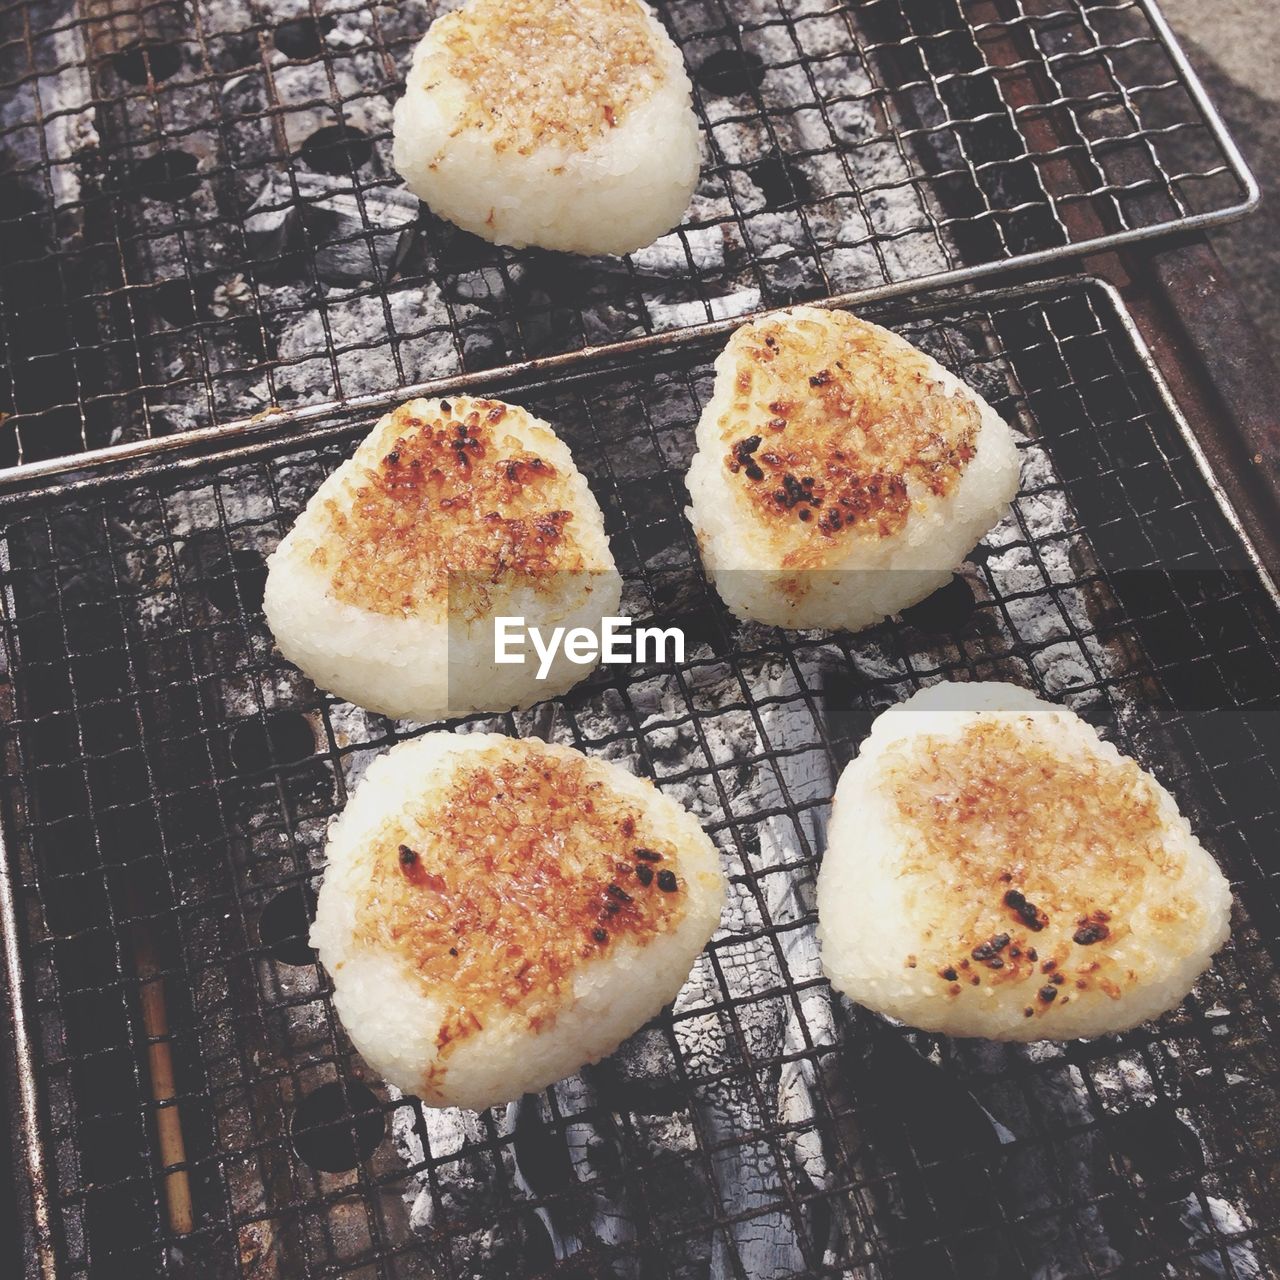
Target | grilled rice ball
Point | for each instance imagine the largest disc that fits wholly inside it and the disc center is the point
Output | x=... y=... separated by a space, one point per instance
x=450 y=513
x=994 y=869
x=496 y=913
x=566 y=124
x=841 y=475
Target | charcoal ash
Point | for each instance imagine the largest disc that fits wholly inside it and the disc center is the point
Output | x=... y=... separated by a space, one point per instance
x=800 y=182
x=48 y=167
x=402 y=24
x=472 y=1192
x=356 y=329
x=277 y=107
x=487 y=288
x=702 y=250
x=48 y=147
x=679 y=315
x=305 y=224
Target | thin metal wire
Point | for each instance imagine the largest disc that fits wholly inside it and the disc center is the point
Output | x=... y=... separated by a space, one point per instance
x=856 y=149
x=171 y=774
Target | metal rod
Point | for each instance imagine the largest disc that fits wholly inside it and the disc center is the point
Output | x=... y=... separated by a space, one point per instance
x=168 y=1116
x=28 y=1135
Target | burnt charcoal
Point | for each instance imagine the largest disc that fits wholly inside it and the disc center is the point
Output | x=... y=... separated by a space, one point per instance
x=271 y=225
x=1155 y=1153
x=285 y=923
x=947 y=610
x=731 y=73
x=145 y=61
x=286 y=738
x=302 y=37
x=671 y=256
x=540 y=1151
x=642 y=1076
x=240 y=577
x=336 y=148
x=782 y=184
x=169 y=176
x=297 y=100
x=337 y=1126
x=324 y=224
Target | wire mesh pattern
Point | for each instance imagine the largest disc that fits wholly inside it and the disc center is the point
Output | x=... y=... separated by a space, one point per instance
x=169 y=780
x=199 y=222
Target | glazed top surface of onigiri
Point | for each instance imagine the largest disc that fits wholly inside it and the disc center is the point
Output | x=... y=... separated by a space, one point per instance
x=995 y=869
x=831 y=431
x=446 y=507
x=497 y=912
x=539 y=73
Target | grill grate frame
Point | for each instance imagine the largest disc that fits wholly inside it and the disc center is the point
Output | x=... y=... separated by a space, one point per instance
x=142 y=798
x=877 y=147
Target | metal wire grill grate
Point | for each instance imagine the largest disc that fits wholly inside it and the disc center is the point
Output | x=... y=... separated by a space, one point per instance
x=199 y=222
x=169 y=780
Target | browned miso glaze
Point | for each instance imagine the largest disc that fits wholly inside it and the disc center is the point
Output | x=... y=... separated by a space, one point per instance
x=1033 y=862
x=540 y=72
x=831 y=427
x=452 y=507
x=526 y=868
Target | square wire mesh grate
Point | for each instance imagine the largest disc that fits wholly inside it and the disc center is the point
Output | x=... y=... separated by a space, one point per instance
x=199 y=221
x=169 y=780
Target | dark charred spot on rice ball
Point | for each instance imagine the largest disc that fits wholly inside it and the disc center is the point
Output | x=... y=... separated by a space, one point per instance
x=988 y=952
x=1027 y=912
x=1092 y=928
x=873 y=423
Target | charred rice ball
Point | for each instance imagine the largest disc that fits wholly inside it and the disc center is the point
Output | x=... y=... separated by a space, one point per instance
x=566 y=124
x=841 y=475
x=995 y=869
x=450 y=513
x=497 y=913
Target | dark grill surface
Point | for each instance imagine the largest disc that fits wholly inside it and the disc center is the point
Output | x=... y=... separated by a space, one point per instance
x=169 y=781
x=199 y=222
